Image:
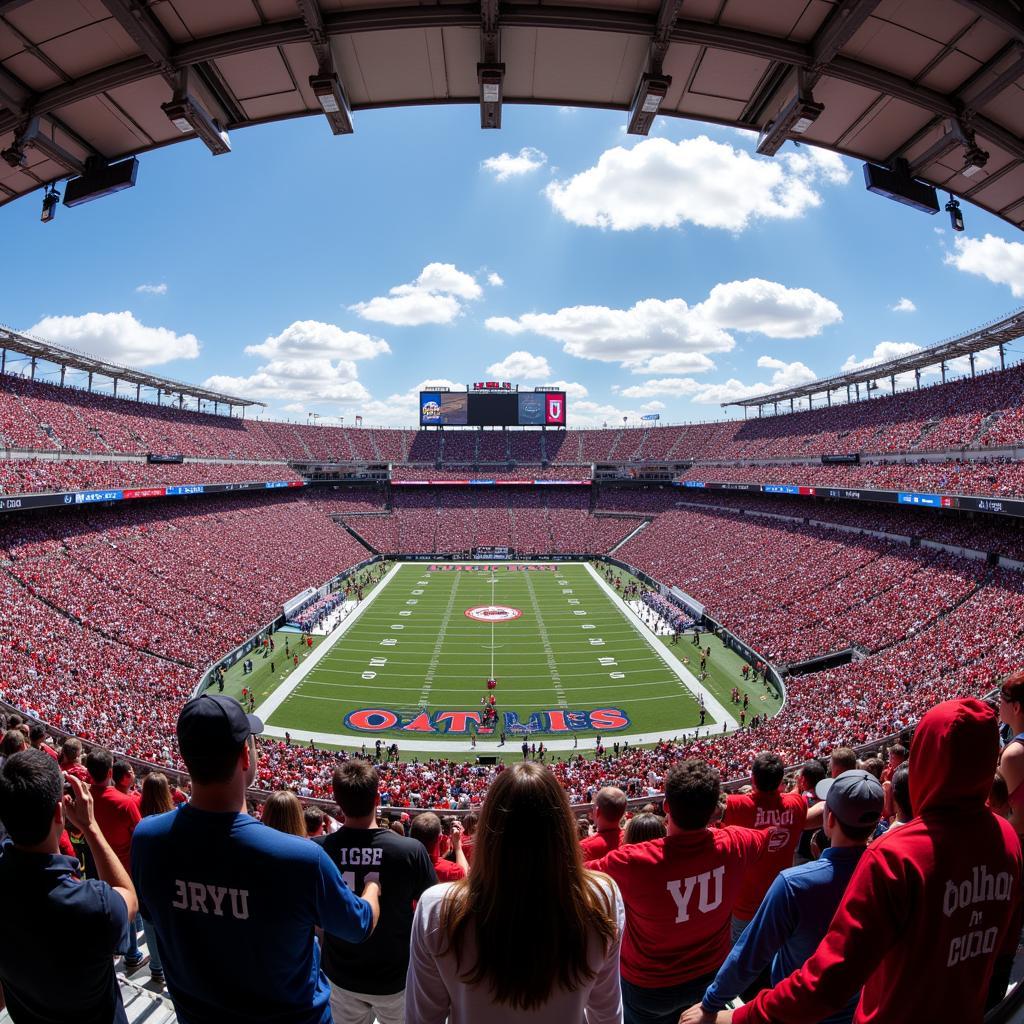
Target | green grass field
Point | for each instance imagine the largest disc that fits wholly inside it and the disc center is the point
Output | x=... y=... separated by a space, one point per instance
x=412 y=652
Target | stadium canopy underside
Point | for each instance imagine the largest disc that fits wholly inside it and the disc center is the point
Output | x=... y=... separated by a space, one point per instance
x=934 y=82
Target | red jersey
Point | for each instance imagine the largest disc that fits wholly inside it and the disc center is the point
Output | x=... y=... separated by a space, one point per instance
x=931 y=905
x=679 y=894
x=603 y=841
x=784 y=814
x=117 y=815
x=447 y=871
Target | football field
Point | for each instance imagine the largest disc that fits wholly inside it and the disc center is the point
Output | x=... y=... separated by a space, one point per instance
x=570 y=659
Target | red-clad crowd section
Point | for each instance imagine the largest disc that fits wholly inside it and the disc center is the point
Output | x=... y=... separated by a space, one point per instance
x=106 y=617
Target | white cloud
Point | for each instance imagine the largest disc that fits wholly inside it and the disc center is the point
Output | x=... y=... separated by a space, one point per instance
x=653 y=406
x=672 y=386
x=306 y=381
x=435 y=297
x=521 y=365
x=785 y=375
x=572 y=389
x=505 y=325
x=596 y=414
x=904 y=305
x=769 y=308
x=676 y=362
x=631 y=336
x=152 y=289
x=669 y=336
x=883 y=352
x=311 y=337
x=495 y=280
x=309 y=362
x=505 y=165
x=118 y=337
x=992 y=257
x=657 y=184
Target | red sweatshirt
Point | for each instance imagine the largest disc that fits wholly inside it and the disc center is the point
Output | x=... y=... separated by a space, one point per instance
x=603 y=841
x=930 y=906
x=784 y=814
x=679 y=894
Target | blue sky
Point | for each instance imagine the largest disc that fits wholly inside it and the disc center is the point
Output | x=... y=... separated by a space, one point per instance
x=336 y=275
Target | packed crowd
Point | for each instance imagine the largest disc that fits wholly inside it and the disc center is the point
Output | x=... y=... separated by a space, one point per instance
x=1001 y=478
x=982 y=412
x=826 y=897
x=37 y=476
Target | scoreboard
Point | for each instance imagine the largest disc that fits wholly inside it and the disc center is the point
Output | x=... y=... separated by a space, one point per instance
x=492 y=409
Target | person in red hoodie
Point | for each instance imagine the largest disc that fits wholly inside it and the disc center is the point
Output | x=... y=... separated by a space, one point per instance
x=609 y=807
x=931 y=907
x=765 y=807
x=679 y=894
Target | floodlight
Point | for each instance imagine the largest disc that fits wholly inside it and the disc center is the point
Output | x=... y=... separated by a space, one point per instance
x=794 y=119
x=188 y=116
x=956 y=217
x=975 y=159
x=647 y=101
x=50 y=201
x=897 y=183
x=333 y=101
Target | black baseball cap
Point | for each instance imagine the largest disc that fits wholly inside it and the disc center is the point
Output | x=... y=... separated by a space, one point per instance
x=214 y=724
x=855 y=797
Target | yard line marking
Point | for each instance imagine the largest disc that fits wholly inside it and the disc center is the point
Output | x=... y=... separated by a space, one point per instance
x=545 y=642
x=435 y=657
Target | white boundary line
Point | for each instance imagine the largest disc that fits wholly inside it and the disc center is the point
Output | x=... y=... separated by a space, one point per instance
x=484 y=746
x=281 y=694
x=689 y=680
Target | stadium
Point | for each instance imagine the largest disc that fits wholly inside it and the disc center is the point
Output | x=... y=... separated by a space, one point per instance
x=827 y=562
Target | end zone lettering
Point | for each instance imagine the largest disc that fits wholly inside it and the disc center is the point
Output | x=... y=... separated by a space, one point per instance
x=463 y=722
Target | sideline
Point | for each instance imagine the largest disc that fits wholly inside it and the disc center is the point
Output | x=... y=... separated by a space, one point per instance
x=417 y=745
x=284 y=691
x=688 y=679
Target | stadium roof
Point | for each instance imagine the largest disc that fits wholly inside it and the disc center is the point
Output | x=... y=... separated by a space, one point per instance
x=12 y=341
x=936 y=82
x=996 y=332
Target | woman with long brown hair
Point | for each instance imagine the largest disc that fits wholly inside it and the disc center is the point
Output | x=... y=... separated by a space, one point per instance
x=529 y=935
x=156 y=799
x=283 y=811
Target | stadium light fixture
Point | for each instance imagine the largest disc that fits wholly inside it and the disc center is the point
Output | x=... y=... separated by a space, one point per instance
x=188 y=116
x=794 y=119
x=492 y=87
x=333 y=102
x=50 y=201
x=975 y=159
x=647 y=101
x=956 y=216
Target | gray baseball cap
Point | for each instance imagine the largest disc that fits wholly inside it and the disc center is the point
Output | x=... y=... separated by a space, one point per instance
x=855 y=797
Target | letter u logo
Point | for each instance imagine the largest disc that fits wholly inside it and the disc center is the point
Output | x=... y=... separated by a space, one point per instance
x=704 y=904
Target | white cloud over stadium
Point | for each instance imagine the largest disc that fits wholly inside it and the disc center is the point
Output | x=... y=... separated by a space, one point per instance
x=118 y=337
x=661 y=184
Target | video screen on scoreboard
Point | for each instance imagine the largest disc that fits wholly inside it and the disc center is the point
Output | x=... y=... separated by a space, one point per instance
x=461 y=409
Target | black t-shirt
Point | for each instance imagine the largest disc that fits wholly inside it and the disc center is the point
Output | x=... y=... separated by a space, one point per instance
x=58 y=942
x=377 y=966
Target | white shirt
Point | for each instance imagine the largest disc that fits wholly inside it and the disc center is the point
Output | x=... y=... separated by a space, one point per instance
x=434 y=992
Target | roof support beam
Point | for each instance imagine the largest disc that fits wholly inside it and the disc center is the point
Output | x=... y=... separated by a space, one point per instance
x=146 y=32
x=490 y=72
x=1006 y=14
x=326 y=83
x=654 y=84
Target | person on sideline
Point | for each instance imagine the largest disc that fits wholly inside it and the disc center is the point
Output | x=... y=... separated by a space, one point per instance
x=479 y=951
x=46 y=904
x=235 y=903
x=368 y=980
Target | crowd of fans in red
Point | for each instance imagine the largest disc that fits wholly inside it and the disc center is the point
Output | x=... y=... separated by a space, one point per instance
x=108 y=616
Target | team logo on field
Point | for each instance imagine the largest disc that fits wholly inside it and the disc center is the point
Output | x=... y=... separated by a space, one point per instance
x=493 y=613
